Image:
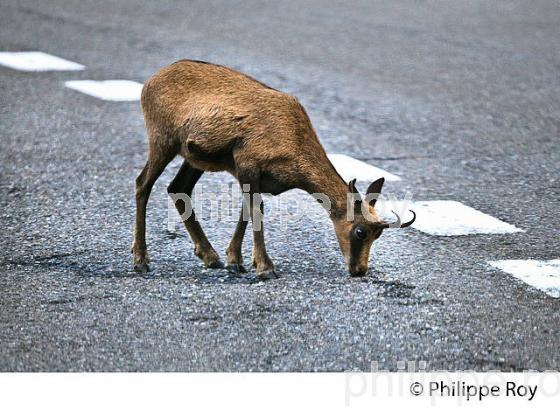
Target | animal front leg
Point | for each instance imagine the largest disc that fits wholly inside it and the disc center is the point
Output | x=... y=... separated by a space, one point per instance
x=233 y=252
x=261 y=260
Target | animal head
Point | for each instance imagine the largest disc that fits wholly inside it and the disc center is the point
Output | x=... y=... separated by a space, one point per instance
x=357 y=230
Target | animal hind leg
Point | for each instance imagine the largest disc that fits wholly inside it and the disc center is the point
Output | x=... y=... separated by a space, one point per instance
x=144 y=183
x=180 y=189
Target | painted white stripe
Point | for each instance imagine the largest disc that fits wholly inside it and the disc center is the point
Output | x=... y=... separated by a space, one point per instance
x=543 y=275
x=447 y=218
x=110 y=90
x=350 y=168
x=37 y=61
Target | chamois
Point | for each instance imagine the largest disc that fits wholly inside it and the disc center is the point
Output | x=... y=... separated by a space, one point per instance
x=219 y=119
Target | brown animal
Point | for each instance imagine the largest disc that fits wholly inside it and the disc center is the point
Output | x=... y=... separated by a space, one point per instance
x=218 y=119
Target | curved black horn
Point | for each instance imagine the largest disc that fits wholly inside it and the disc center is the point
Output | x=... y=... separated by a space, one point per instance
x=397 y=223
x=407 y=224
x=352 y=186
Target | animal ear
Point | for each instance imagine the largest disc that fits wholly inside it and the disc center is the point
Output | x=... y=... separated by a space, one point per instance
x=374 y=190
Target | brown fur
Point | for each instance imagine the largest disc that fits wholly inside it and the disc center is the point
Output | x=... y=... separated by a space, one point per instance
x=218 y=119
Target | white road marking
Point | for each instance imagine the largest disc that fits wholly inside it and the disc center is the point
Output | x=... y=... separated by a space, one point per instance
x=543 y=275
x=37 y=61
x=110 y=90
x=350 y=168
x=447 y=218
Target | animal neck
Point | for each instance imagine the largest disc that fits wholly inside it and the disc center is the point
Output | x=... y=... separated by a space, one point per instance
x=324 y=179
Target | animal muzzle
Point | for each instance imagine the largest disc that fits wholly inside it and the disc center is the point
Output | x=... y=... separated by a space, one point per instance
x=357 y=270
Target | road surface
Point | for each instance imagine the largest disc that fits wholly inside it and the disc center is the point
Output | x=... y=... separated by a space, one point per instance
x=459 y=99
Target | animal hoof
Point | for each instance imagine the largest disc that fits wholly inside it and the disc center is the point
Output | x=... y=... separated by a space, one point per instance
x=141 y=267
x=266 y=275
x=215 y=265
x=236 y=269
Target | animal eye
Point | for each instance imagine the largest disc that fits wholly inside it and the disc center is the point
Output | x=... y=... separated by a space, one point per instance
x=360 y=232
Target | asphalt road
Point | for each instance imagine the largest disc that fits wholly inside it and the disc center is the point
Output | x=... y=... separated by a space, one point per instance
x=461 y=99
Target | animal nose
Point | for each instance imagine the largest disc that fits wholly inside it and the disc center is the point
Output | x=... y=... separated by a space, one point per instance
x=358 y=270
